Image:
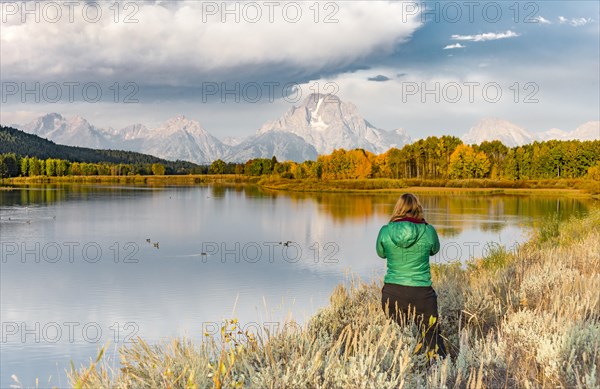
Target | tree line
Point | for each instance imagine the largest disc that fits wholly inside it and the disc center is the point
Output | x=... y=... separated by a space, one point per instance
x=13 y=166
x=445 y=157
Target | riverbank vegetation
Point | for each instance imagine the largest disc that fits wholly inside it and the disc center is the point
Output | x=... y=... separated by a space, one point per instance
x=464 y=186
x=148 y=180
x=525 y=317
x=443 y=162
x=564 y=187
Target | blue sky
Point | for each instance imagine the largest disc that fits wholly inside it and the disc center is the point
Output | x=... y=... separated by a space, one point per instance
x=178 y=57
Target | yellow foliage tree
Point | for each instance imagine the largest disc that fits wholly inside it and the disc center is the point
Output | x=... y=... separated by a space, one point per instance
x=465 y=163
x=158 y=169
x=594 y=172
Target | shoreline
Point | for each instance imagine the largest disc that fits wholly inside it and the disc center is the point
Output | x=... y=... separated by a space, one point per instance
x=566 y=187
x=487 y=191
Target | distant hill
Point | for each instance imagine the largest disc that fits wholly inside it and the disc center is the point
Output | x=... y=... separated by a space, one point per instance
x=24 y=144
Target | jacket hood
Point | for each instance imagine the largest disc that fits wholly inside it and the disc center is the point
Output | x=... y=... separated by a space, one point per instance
x=405 y=233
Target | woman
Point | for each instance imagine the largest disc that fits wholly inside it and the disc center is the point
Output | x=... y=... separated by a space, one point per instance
x=407 y=242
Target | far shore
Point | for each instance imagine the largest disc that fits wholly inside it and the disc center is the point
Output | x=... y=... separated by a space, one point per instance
x=564 y=187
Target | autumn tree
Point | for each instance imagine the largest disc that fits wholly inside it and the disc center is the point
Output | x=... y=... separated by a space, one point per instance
x=593 y=172
x=496 y=152
x=51 y=167
x=217 y=167
x=444 y=149
x=394 y=164
x=465 y=163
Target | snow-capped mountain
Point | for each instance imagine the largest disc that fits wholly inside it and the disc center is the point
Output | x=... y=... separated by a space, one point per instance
x=132 y=132
x=74 y=132
x=184 y=139
x=284 y=146
x=512 y=135
x=178 y=138
x=490 y=129
x=232 y=141
x=327 y=123
x=319 y=125
x=553 y=133
x=587 y=131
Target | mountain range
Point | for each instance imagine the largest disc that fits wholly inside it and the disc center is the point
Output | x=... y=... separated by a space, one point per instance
x=21 y=143
x=319 y=125
x=512 y=135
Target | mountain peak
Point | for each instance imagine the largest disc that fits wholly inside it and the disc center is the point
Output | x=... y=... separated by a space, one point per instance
x=181 y=123
x=314 y=98
x=79 y=121
x=74 y=132
x=553 y=133
x=54 y=115
x=327 y=123
x=178 y=119
x=489 y=129
x=587 y=131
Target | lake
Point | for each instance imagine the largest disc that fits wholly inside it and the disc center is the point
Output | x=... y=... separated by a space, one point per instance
x=84 y=265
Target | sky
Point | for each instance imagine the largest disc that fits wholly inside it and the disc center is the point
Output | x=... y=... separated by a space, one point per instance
x=431 y=68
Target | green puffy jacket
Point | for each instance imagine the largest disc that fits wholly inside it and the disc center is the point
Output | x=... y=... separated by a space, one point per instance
x=407 y=245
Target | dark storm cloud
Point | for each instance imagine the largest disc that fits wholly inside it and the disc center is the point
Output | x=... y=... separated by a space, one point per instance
x=379 y=78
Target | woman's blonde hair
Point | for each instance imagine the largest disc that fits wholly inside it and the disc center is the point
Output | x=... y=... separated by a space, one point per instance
x=407 y=206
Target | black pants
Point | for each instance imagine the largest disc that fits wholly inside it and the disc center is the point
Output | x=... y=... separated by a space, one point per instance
x=399 y=301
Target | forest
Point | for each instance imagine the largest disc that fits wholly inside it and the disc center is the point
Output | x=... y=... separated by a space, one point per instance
x=433 y=158
x=437 y=158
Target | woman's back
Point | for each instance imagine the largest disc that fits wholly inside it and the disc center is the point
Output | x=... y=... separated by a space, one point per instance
x=407 y=244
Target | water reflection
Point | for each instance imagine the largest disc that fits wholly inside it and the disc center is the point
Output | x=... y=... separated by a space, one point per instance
x=451 y=214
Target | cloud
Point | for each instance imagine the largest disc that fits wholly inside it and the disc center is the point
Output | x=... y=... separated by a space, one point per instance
x=181 y=44
x=454 y=46
x=575 y=22
x=379 y=78
x=489 y=36
x=541 y=20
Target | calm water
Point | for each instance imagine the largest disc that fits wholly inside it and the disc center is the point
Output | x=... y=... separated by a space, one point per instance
x=77 y=270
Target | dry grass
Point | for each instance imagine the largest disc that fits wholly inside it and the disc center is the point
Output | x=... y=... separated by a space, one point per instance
x=187 y=179
x=525 y=319
x=570 y=187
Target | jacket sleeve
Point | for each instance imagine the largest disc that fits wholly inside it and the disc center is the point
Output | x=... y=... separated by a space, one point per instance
x=436 y=241
x=379 y=245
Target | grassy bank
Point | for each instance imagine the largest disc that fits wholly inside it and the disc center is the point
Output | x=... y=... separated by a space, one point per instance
x=478 y=186
x=570 y=187
x=528 y=318
x=192 y=179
